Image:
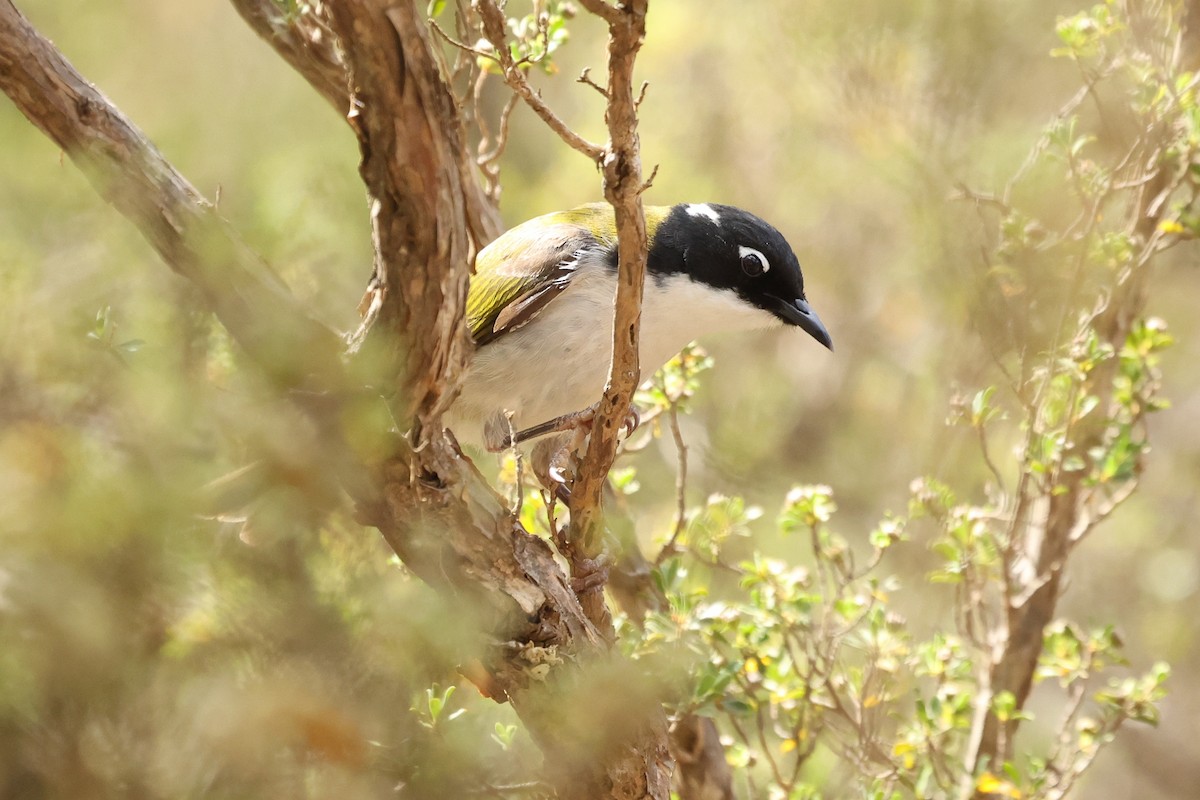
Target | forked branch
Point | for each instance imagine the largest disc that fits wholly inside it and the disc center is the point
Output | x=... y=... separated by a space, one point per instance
x=517 y=80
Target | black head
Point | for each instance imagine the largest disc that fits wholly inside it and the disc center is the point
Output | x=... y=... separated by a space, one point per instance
x=732 y=249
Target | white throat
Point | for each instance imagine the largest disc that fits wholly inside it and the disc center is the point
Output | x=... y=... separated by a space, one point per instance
x=677 y=310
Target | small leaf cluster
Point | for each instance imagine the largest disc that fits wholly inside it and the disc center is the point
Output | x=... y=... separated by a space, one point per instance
x=534 y=37
x=675 y=382
x=808 y=668
x=103 y=335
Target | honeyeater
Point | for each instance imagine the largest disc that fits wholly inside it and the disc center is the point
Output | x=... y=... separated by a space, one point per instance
x=540 y=304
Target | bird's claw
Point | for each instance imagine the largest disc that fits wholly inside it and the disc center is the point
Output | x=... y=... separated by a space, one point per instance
x=632 y=420
x=555 y=468
x=498 y=433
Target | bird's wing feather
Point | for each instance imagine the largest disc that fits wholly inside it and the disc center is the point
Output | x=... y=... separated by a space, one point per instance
x=526 y=306
x=519 y=273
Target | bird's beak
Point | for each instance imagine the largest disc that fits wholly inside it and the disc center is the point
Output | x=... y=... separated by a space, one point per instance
x=798 y=313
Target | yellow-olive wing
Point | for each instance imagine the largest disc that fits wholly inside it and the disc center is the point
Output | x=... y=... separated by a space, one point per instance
x=519 y=273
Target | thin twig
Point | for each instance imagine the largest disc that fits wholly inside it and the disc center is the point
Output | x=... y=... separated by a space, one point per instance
x=641 y=94
x=646 y=184
x=515 y=77
x=585 y=78
x=460 y=45
x=964 y=192
x=501 y=136
x=681 y=451
x=489 y=162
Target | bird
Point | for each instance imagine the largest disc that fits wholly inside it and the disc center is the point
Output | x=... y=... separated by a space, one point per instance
x=540 y=304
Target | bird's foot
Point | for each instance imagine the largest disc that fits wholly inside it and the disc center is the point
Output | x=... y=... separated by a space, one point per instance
x=575 y=421
x=499 y=435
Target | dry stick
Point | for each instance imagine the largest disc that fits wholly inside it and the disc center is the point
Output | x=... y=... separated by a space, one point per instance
x=623 y=188
x=681 y=467
x=494 y=30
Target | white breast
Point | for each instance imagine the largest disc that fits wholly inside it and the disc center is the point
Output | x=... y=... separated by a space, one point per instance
x=559 y=362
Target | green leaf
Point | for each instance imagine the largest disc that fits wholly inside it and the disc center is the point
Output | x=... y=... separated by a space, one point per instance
x=887 y=533
x=806 y=506
x=503 y=734
x=981 y=407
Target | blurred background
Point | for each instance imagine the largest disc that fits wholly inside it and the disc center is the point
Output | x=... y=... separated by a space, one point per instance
x=143 y=644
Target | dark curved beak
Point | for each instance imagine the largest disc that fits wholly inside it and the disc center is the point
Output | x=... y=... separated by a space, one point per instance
x=799 y=313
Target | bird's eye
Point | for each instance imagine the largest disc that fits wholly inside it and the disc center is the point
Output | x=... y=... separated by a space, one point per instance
x=753 y=263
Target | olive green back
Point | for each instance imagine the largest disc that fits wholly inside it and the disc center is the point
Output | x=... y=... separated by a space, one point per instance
x=536 y=252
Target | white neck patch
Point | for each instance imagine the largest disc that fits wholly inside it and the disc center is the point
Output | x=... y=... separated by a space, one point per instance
x=703 y=210
x=744 y=251
x=679 y=309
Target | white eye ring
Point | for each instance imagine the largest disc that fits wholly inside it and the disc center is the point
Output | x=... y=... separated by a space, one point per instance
x=749 y=255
